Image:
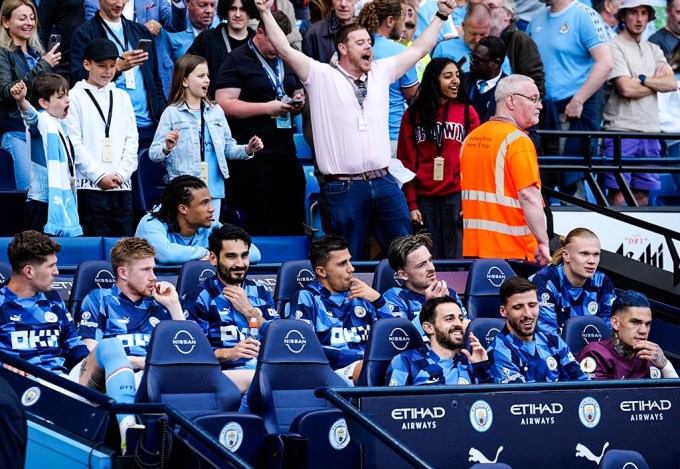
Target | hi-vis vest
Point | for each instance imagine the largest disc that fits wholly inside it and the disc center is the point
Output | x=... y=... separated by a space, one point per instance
x=497 y=161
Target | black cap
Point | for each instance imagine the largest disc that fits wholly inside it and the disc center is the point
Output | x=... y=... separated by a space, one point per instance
x=100 y=49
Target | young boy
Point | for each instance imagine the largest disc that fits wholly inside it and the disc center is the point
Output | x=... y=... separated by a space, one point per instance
x=102 y=126
x=51 y=202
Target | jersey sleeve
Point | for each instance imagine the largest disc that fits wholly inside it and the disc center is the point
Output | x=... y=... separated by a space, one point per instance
x=396 y=303
x=398 y=373
x=570 y=370
x=547 y=315
x=481 y=372
x=607 y=297
x=90 y=320
x=502 y=366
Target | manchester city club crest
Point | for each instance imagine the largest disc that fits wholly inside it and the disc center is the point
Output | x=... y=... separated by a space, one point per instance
x=231 y=436
x=592 y=307
x=481 y=416
x=338 y=436
x=589 y=412
x=564 y=29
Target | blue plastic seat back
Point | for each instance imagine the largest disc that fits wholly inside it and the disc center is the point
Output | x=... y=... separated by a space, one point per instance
x=328 y=439
x=88 y=276
x=483 y=283
x=385 y=277
x=579 y=331
x=181 y=370
x=485 y=329
x=623 y=459
x=291 y=365
x=5 y=272
x=387 y=339
x=191 y=274
x=292 y=276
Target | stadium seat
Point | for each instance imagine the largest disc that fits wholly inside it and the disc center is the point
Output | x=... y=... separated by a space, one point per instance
x=182 y=371
x=281 y=248
x=5 y=272
x=623 y=459
x=191 y=274
x=7 y=182
x=89 y=275
x=75 y=251
x=148 y=182
x=579 y=331
x=311 y=194
x=291 y=365
x=667 y=194
x=483 y=283
x=304 y=151
x=387 y=338
x=292 y=276
x=385 y=277
x=485 y=329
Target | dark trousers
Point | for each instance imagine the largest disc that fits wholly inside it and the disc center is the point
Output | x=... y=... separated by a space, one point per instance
x=105 y=213
x=441 y=217
x=35 y=215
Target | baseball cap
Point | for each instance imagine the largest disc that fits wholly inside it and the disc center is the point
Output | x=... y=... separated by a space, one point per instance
x=100 y=49
x=630 y=4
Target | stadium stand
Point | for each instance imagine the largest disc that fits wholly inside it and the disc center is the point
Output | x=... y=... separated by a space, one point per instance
x=148 y=183
x=388 y=338
x=481 y=289
x=579 y=331
x=292 y=276
x=191 y=274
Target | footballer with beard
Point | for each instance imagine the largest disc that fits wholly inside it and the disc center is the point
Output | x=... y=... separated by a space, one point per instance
x=520 y=353
x=224 y=304
x=445 y=360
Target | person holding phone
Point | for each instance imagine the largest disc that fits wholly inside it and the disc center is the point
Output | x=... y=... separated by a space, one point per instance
x=22 y=58
x=62 y=17
x=136 y=70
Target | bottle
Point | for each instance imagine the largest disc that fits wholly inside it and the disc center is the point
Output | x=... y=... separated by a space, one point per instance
x=253 y=333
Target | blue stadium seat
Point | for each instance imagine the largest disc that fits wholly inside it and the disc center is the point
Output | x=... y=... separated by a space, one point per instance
x=5 y=272
x=667 y=194
x=385 y=277
x=304 y=151
x=623 y=459
x=282 y=248
x=88 y=276
x=483 y=283
x=7 y=181
x=75 y=251
x=387 y=338
x=579 y=331
x=291 y=365
x=292 y=276
x=311 y=194
x=191 y=274
x=148 y=182
x=182 y=371
x=485 y=329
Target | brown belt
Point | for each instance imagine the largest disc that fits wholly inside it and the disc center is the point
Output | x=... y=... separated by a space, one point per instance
x=367 y=176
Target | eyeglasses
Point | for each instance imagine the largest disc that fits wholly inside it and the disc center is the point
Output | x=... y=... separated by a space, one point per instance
x=534 y=101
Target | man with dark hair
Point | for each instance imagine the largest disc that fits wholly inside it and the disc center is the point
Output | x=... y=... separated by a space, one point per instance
x=225 y=304
x=627 y=354
x=520 y=353
x=349 y=109
x=445 y=360
x=36 y=326
x=339 y=306
x=215 y=43
x=259 y=94
x=668 y=36
x=179 y=227
x=319 y=42
x=485 y=72
x=410 y=258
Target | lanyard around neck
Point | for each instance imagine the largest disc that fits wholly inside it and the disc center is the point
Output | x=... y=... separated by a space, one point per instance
x=113 y=35
x=276 y=75
x=439 y=129
x=107 y=122
x=360 y=92
x=68 y=149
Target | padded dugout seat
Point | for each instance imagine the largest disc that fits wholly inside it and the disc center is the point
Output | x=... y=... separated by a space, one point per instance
x=482 y=287
x=191 y=274
x=579 y=331
x=385 y=277
x=88 y=276
x=292 y=276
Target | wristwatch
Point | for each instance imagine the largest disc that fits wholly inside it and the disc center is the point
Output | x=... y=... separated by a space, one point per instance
x=642 y=79
x=441 y=16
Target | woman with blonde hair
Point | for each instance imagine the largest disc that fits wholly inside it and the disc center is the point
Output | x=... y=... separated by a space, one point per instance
x=571 y=285
x=22 y=58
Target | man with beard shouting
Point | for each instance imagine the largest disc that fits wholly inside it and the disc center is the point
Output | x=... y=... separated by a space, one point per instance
x=445 y=360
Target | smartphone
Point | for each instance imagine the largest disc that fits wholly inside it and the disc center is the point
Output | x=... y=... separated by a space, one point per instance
x=54 y=38
x=295 y=102
x=144 y=45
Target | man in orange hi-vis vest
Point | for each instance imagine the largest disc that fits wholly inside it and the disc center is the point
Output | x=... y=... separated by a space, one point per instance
x=502 y=205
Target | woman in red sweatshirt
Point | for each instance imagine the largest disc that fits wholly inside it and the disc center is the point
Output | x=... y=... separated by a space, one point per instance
x=432 y=132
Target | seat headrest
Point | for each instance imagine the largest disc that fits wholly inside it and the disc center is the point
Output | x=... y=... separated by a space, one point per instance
x=95 y=274
x=579 y=331
x=179 y=342
x=486 y=276
x=291 y=341
x=389 y=337
x=385 y=277
x=485 y=329
x=292 y=276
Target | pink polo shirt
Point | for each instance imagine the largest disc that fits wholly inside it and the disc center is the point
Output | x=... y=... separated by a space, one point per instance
x=341 y=148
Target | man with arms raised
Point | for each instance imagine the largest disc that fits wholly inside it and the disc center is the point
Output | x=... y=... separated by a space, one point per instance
x=628 y=354
x=340 y=307
x=521 y=354
x=445 y=360
x=224 y=304
x=349 y=110
x=410 y=258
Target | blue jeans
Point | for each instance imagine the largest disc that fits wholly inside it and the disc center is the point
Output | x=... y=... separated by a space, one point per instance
x=15 y=143
x=352 y=208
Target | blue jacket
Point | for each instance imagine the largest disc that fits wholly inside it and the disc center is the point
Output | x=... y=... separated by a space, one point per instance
x=93 y=29
x=185 y=157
